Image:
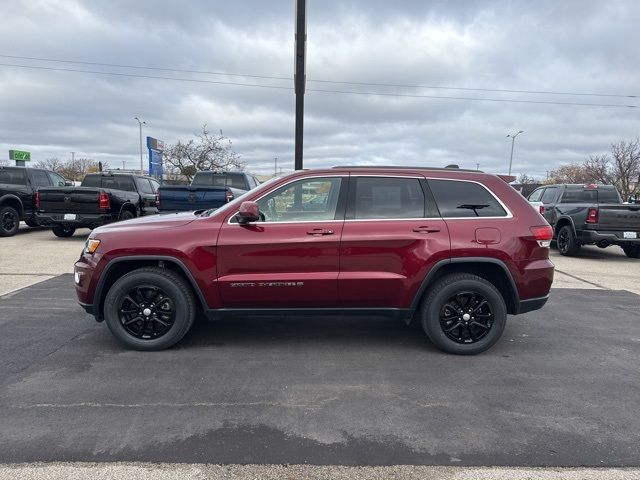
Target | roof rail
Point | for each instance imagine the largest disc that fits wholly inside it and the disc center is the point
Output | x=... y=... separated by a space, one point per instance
x=403 y=167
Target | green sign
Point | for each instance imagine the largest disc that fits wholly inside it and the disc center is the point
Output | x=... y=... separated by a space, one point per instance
x=19 y=155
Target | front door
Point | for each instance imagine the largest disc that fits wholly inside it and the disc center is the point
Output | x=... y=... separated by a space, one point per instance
x=290 y=258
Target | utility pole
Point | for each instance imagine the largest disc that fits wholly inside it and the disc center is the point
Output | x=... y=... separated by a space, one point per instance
x=275 y=167
x=513 y=140
x=73 y=157
x=477 y=166
x=140 y=123
x=299 y=76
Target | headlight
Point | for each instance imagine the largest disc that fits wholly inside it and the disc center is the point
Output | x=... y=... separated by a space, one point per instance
x=91 y=246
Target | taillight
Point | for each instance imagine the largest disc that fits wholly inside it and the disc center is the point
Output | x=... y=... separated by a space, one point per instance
x=158 y=199
x=36 y=200
x=541 y=209
x=543 y=235
x=104 y=201
x=229 y=196
x=592 y=215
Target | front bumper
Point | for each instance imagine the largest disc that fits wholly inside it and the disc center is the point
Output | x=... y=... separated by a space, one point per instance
x=612 y=237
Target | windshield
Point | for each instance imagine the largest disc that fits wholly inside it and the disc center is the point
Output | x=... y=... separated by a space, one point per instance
x=235 y=203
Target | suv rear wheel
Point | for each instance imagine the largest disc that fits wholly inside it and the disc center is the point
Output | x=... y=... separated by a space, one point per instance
x=632 y=251
x=464 y=314
x=149 y=309
x=567 y=243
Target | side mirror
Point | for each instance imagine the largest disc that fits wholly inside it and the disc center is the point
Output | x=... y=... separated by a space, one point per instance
x=249 y=212
x=67 y=183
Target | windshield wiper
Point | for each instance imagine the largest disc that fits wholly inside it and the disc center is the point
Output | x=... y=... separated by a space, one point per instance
x=474 y=206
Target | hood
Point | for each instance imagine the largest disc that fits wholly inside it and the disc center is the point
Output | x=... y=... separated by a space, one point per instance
x=151 y=221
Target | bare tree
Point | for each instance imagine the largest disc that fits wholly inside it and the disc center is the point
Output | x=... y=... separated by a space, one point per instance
x=77 y=169
x=525 y=179
x=54 y=164
x=205 y=152
x=570 y=173
x=621 y=169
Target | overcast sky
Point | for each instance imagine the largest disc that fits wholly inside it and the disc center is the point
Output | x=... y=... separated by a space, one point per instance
x=561 y=46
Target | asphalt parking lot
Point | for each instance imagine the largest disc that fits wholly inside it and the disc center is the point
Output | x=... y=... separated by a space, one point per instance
x=560 y=389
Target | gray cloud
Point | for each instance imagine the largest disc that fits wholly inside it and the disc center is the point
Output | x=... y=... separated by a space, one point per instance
x=571 y=46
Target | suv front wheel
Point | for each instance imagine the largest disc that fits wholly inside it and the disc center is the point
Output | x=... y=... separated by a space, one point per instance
x=149 y=309
x=464 y=314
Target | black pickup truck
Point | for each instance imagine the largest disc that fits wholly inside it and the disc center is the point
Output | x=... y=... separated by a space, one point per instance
x=101 y=198
x=18 y=186
x=589 y=214
x=207 y=190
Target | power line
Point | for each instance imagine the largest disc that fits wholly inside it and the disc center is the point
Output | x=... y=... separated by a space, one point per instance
x=343 y=92
x=339 y=82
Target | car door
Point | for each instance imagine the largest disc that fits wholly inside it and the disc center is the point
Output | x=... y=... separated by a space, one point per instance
x=392 y=236
x=289 y=259
x=39 y=179
x=147 y=196
x=548 y=199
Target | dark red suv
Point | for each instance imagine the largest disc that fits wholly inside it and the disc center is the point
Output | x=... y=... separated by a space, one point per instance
x=456 y=250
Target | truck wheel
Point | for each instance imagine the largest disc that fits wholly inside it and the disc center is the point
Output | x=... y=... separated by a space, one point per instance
x=126 y=215
x=632 y=251
x=567 y=243
x=9 y=221
x=464 y=314
x=149 y=309
x=63 y=231
x=31 y=223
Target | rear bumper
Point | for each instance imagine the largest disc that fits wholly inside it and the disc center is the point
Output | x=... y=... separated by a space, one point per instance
x=532 y=304
x=82 y=220
x=612 y=237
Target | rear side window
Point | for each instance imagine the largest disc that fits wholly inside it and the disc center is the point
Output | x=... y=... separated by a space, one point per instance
x=383 y=197
x=91 y=181
x=12 y=177
x=459 y=199
x=40 y=178
x=549 y=195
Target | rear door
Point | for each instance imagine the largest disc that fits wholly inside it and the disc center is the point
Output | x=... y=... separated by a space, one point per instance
x=147 y=195
x=290 y=258
x=392 y=236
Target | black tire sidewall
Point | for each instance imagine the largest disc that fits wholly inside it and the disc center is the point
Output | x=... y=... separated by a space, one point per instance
x=13 y=231
x=446 y=289
x=126 y=215
x=63 y=231
x=183 y=305
x=572 y=246
x=632 y=251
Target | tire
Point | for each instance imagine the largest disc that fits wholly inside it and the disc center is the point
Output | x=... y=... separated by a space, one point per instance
x=126 y=215
x=137 y=315
x=31 y=223
x=438 y=313
x=567 y=243
x=632 y=251
x=63 y=231
x=9 y=221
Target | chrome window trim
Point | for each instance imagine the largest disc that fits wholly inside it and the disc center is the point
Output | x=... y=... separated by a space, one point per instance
x=506 y=209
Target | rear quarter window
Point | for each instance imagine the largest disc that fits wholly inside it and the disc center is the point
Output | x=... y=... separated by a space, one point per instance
x=460 y=199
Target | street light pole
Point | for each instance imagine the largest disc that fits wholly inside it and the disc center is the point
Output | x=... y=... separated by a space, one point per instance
x=275 y=167
x=140 y=123
x=299 y=76
x=513 y=141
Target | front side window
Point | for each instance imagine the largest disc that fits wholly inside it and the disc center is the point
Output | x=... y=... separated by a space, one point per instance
x=459 y=199
x=91 y=181
x=57 y=180
x=383 y=197
x=535 y=196
x=304 y=200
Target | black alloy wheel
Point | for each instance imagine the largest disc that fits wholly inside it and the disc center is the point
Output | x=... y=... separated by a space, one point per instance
x=463 y=314
x=150 y=308
x=466 y=317
x=567 y=243
x=147 y=312
x=63 y=231
x=9 y=221
x=126 y=215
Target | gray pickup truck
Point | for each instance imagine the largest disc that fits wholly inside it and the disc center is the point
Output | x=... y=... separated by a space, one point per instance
x=208 y=190
x=589 y=214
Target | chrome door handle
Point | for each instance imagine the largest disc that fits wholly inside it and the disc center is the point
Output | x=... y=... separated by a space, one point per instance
x=426 y=229
x=320 y=231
